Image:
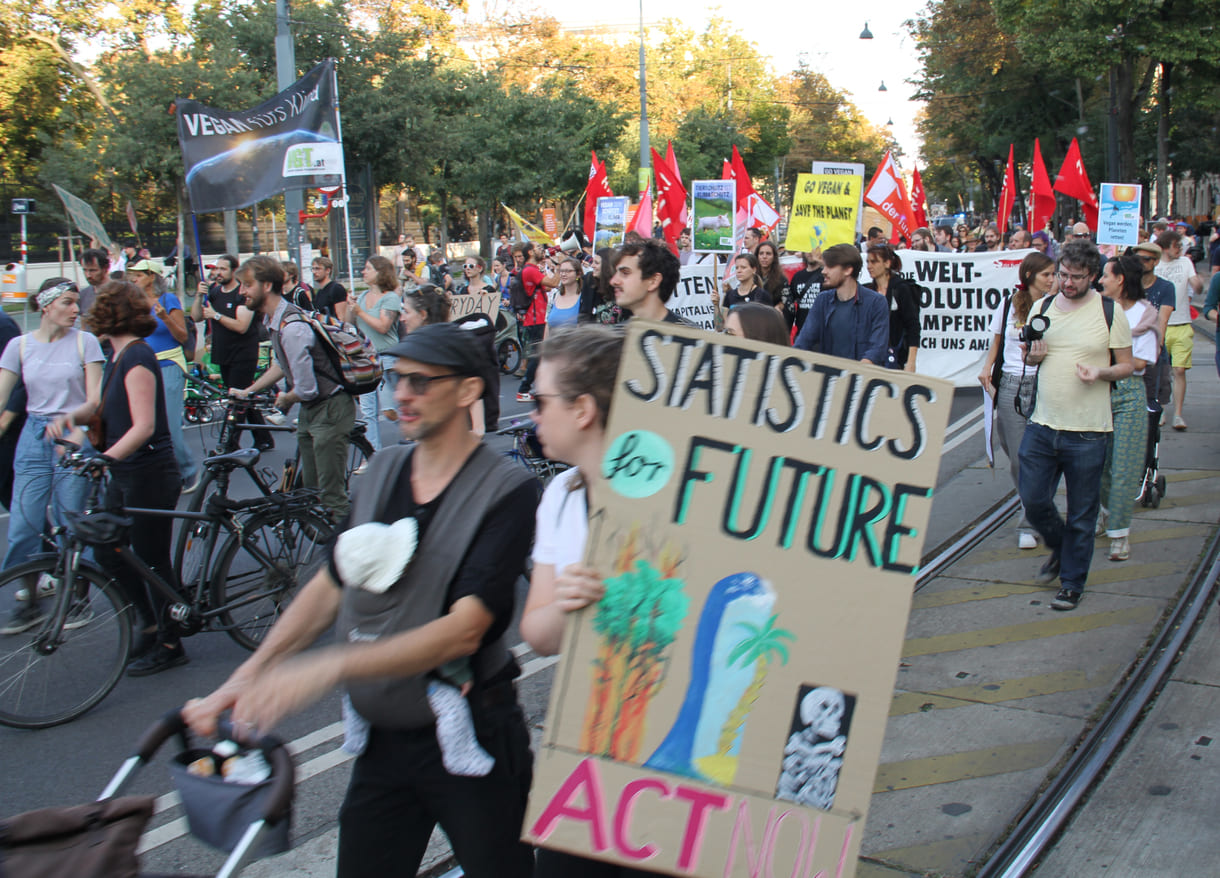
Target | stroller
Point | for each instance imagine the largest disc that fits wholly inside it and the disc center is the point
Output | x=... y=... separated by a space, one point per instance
x=1152 y=488
x=247 y=820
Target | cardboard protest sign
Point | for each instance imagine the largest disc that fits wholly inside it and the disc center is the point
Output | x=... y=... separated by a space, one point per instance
x=713 y=221
x=759 y=520
x=824 y=212
x=1118 y=218
x=474 y=303
x=693 y=297
x=611 y=222
x=82 y=216
x=959 y=292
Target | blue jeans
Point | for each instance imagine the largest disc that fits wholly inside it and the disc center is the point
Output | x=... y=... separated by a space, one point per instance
x=380 y=400
x=173 y=382
x=40 y=491
x=1080 y=459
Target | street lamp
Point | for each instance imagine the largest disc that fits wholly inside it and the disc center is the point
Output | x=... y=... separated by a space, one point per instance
x=866 y=34
x=882 y=87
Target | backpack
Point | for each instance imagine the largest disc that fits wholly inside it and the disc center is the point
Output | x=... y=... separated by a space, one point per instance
x=517 y=296
x=357 y=366
x=192 y=333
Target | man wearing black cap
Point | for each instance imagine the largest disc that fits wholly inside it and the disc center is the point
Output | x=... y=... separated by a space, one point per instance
x=422 y=620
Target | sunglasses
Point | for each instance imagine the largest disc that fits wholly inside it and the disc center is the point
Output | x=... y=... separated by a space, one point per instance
x=419 y=383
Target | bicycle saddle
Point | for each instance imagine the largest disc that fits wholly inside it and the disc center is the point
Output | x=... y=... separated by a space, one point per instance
x=246 y=457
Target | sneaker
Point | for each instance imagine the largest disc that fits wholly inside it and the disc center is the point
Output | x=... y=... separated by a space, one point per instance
x=1179 y=424
x=360 y=470
x=1026 y=540
x=1065 y=600
x=191 y=485
x=1049 y=572
x=161 y=658
x=1120 y=549
x=46 y=588
x=525 y=397
x=23 y=618
x=79 y=615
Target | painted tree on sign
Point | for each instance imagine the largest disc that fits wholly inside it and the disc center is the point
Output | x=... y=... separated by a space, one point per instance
x=761 y=646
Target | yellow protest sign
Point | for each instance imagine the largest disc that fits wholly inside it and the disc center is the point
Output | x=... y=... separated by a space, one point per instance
x=823 y=212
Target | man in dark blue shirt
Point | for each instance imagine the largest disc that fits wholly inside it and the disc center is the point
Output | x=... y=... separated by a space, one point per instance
x=853 y=323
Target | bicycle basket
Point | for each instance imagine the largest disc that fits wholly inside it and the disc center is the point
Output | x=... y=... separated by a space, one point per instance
x=100 y=528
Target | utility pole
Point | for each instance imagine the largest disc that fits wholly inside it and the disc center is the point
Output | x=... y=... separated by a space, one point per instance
x=645 y=157
x=286 y=75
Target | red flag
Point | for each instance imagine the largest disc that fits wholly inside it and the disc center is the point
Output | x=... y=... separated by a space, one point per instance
x=744 y=187
x=888 y=194
x=671 y=200
x=642 y=222
x=1041 y=193
x=672 y=161
x=596 y=188
x=1074 y=182
x=919 y=200
x=726 y=172
x=1008 y=195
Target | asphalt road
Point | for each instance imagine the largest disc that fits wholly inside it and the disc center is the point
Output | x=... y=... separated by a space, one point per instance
x=71 y=764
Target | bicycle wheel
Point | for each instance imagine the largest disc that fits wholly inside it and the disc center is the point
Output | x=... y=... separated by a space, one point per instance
x=191 y=533
x=260 y=570
x=509 y=354
x=50 y=678
x=358 y=454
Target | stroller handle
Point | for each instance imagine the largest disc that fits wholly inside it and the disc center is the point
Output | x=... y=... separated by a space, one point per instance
x=282 y=772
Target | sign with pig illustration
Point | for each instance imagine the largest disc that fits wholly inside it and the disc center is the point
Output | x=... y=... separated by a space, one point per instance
x=713 y=221
x=758 y=522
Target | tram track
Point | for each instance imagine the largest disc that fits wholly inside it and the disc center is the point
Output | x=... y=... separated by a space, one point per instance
x=1045 y=817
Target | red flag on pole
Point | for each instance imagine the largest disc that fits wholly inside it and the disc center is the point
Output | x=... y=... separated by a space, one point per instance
x=596 y=188
x=1041 y=193
x=1074 y=182
x=888 y=194
x=642 y=222
x=919 y=201
x=671 y=200
x=1008 y=195
x=672 y=161
x=744 y=187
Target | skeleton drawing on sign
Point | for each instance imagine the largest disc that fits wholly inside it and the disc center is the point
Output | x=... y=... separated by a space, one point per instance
x=814 y=752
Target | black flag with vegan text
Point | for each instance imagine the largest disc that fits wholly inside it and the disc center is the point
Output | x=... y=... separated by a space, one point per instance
x=234 y=159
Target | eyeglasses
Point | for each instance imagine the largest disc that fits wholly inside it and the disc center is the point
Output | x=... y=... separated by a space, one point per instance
x=469 y=265
x=419 y=383
x=1074 y=278
x=541 y=398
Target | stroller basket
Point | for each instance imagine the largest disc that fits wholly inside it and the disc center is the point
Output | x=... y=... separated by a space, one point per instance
x=248 y=821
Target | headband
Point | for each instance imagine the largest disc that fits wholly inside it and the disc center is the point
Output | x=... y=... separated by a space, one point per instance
x=47 y=296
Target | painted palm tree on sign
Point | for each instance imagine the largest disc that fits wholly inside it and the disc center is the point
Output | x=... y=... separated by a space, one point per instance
x=761 y=646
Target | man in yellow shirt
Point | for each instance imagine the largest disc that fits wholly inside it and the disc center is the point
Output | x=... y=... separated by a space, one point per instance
x=1086 y=347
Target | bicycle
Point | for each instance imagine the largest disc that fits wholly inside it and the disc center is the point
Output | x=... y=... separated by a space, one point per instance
x=190 y=538
x=527 y=450
x=63 y=649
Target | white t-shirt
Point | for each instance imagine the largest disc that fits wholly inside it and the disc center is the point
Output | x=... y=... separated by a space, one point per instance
x=54 y=373
x=1013 y=356
x=1178 y=272
x=1143 y=346
x=562 y=523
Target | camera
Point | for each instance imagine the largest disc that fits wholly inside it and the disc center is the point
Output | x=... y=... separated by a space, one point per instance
x=1034 y=329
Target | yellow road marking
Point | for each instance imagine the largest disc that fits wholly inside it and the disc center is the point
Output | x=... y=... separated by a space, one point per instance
x=1050 y=627
x=1137 y=536
x=951 y=767
x=1182 y=502
x=1001 y=690
x=929 y=600
x=1193 y=475
x=1128 y=572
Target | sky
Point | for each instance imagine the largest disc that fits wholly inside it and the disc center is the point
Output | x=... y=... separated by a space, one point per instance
x=829 y=44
